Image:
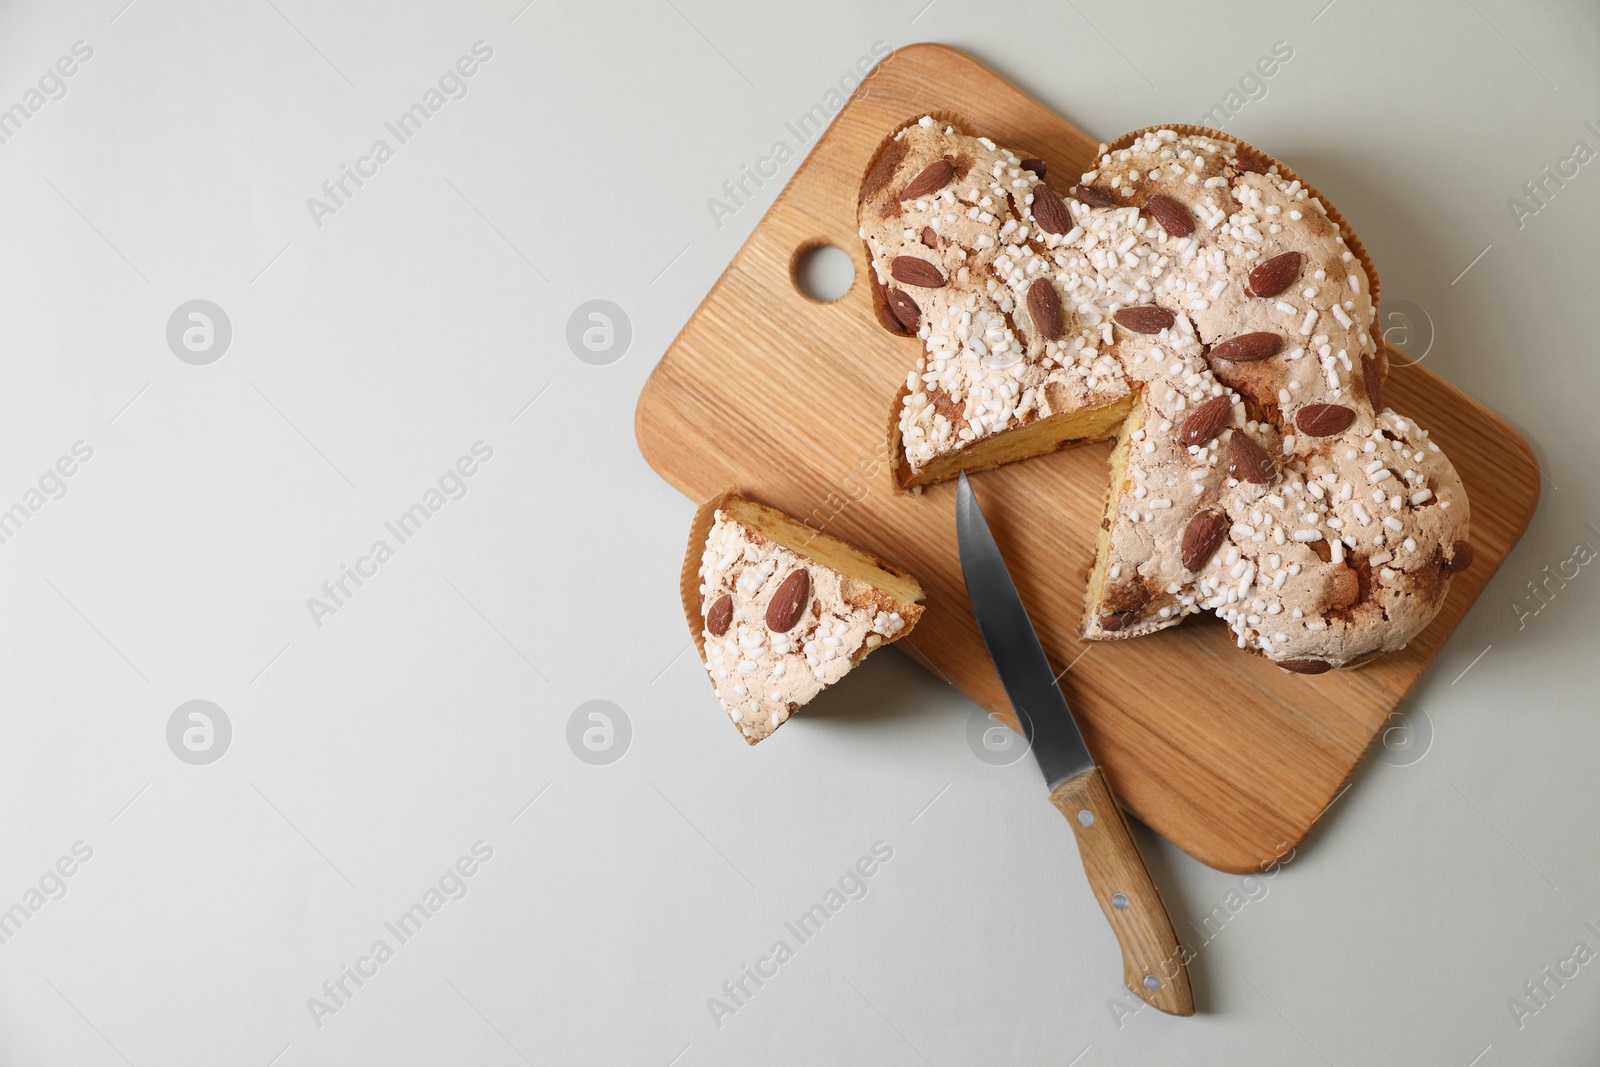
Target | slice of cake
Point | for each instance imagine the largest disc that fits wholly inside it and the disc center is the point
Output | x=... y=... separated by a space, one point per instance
x=779 y=611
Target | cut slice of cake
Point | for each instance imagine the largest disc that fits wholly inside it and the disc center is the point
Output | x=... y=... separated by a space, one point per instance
x=780 y=611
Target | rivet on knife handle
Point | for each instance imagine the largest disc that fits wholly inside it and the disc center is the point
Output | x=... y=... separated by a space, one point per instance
x=1152 y=960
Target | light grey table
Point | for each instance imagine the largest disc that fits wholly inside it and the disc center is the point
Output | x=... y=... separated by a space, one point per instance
x=399 y=745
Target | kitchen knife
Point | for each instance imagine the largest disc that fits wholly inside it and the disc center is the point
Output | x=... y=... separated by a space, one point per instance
x=1153 y=963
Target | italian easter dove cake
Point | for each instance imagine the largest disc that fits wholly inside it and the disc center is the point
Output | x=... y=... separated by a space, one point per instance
x=1195 y=300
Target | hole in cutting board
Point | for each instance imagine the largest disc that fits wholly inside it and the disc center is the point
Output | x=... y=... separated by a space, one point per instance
x=823 y=272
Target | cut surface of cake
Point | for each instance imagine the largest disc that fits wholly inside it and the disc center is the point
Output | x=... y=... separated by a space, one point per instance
x=780 y=611
x=1199 y=301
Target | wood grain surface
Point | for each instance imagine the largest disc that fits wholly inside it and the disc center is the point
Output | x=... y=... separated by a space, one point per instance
x=1226 y=755
x=1155 y=967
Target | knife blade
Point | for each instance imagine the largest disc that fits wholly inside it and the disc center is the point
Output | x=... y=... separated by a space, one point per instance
x=1154 y=963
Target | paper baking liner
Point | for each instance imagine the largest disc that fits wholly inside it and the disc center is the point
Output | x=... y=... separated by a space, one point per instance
x=689 y=580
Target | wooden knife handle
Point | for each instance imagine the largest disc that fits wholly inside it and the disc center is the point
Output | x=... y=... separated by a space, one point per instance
x=1153 y=964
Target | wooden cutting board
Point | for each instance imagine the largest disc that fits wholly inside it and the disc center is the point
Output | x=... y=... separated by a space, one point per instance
x=1226 y=755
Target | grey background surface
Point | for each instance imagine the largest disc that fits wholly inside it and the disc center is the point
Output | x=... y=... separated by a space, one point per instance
x=373 y=746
